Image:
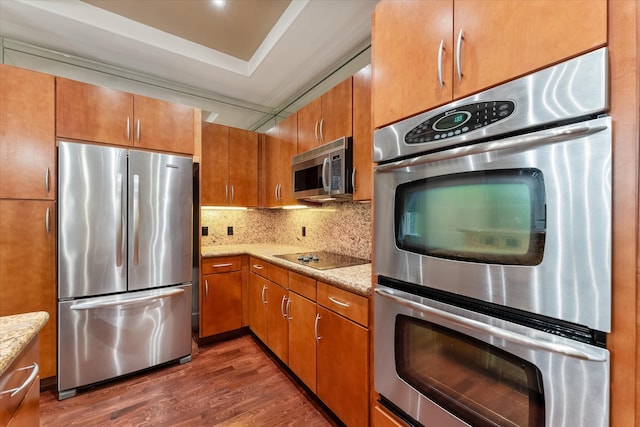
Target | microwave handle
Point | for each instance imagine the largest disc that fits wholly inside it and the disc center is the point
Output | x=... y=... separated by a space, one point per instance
x=326 y=185
x=520 y=142
x=493 y=330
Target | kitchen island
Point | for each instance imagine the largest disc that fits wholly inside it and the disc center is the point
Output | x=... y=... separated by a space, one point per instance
x=355 y=279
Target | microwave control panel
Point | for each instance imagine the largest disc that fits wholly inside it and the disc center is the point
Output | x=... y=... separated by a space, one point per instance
x=336 y=172
x=459 y=120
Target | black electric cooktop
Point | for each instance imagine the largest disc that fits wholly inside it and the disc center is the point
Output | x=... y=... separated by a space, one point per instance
x=322 y=260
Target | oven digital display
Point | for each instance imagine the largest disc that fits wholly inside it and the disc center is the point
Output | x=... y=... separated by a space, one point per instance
x=491 y=217
x=452 y=121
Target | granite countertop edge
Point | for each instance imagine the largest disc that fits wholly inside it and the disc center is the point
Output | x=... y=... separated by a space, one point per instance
x=355 y=279
x=16 y=332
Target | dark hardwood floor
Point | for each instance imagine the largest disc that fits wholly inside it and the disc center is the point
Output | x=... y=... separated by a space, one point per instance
x=232 y=383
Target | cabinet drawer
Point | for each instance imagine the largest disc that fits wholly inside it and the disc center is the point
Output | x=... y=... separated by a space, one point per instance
x=350 y=305
x=258 y=266
x=303 y=285
x=17 y=375
x=221 y=264
x=278 y=275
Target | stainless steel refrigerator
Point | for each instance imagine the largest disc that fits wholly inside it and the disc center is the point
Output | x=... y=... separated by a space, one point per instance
x=124 y=262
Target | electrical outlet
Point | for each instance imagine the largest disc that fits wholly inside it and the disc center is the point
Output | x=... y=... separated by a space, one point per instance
x=304 y=231
x=205 y=231
x=229 y=231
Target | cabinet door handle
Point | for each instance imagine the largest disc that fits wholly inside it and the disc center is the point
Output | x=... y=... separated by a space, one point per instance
x=206 y=290
x=46 y=220
x=321 y=129
x=46 y=179
x=340 y=303
x=26 y=383
x=128 y=128
x=440 y=53
x=279 y=191
x=459 y=54
x=287 y=309
x=121 y=215
x=315 y=131
x=226 y=193
x=258 y=266
x=136 y=219
x=353 y=179
x=276 y=192
x=315 y=327
x=264 y=289
x=138 y=130
x=284 y=315
x=226 y=264
x=233 y=193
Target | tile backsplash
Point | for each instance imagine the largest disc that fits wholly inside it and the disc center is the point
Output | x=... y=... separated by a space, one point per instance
x=343 y=227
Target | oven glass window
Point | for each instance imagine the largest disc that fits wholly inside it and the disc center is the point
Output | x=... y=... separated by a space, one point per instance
x=479 y=383
x=493 y=217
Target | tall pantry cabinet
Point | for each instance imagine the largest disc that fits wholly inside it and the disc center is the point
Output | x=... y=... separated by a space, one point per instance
x=27 y=201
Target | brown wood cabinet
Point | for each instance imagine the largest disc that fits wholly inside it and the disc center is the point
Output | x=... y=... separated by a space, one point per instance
x=326 y=118
x=229 y=166
x=23 y=409
x=27 y=134
x=258 y=287
x=281 y=145
x=221 y=290
x=92 y=113
x=382 y=418
x=362 y=136
x=409 y=37
x=343 y=367
x=27 y=268
x=301 y=311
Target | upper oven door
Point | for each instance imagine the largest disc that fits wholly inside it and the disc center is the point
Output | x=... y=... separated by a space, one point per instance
x=449 y=367
x=524 y=222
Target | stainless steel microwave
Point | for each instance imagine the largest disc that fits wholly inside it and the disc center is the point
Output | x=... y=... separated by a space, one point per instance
x=324 y=173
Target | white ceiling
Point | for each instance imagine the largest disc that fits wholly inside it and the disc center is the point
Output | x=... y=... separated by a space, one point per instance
x=300 y=45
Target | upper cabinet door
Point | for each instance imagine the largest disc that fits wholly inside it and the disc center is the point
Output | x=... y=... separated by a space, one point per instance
x=309 y=118
x=337 y=111
x=409 y=41
x=93 y=113
x=280 y=147
x=164 y=126
x=243 y=168
x=362 y=136
x=214 y=170
x=27 y=134
x=505 y=39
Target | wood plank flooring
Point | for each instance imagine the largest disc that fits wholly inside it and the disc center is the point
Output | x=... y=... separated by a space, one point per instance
x=233 y=383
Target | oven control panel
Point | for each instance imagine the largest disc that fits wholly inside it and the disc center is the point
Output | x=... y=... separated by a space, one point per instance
x=459 y=120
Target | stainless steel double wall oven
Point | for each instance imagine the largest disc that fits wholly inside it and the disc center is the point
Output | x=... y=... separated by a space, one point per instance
x=493 y=251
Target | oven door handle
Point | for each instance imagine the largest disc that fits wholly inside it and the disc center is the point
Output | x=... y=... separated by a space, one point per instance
x=493 y=330
x=519 y=142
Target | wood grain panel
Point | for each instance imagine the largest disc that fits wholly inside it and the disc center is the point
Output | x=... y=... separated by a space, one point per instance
x=221 y=303
x=277 y=324
x=243 y=167
x=302 y=339
x=405 y=39
x=337 y=112
x=303 y=285
x=214 y=168
x=278 y=275
x=93 y=113
x=27 y=269
x=343 y=367
x=350 y=305
x=259 y=267
x=27 y=134
x=623 y=341
x=258 y=286
x=362 y=135
x=538 y=33
x=308 y=121
x=289 y=141
x=382 y=418
x=163 y=125
x=221 y=264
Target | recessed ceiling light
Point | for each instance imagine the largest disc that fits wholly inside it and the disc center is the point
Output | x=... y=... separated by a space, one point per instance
x=218 y=3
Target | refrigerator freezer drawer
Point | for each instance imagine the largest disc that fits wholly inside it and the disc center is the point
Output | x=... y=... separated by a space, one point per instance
x=105 y=337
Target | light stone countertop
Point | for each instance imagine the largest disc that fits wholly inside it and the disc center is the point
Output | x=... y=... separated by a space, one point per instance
x=356 y=279
x=16 y=332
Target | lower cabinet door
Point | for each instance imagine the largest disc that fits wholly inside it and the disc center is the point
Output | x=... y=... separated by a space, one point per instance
x=343 y=367
x=258 y=288
x=302 y=339
x=278 y=327
x=221 y=296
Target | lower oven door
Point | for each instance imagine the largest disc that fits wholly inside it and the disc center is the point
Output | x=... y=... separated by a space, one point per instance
x=446 y=366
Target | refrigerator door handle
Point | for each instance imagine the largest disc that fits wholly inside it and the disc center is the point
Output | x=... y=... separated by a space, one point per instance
x=120 y=213
x=136 y=218
x=129 y=301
